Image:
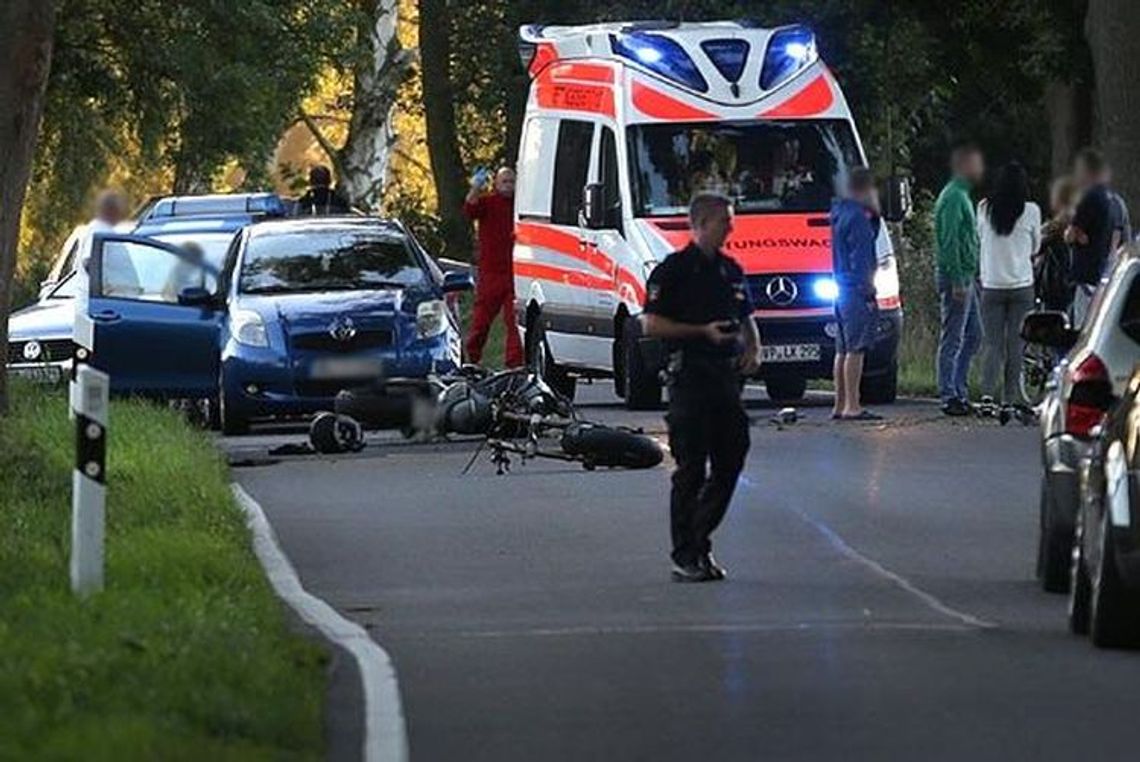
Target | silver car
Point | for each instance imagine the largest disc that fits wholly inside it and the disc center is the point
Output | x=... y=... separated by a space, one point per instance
x=1095 y=371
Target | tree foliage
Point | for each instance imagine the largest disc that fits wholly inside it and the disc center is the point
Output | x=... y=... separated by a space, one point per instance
x=162 y=96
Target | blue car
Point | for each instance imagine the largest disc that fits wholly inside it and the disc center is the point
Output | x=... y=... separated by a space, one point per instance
x=39 y=336
x=300 y=310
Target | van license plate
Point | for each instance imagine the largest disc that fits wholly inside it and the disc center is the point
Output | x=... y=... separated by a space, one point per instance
x=38 y=374
x=790 y=353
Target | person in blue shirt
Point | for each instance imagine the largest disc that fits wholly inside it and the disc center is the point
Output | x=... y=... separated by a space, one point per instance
x=854 y=230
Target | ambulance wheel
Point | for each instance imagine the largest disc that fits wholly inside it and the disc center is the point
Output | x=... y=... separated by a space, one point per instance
x=642 y=386
x=541 y=361
x=881 y=390
x=783 y=390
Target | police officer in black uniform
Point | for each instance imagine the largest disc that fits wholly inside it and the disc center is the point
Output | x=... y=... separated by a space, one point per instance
x=697 y=302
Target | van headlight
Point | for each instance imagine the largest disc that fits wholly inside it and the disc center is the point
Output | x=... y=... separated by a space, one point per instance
x=431 y=319
x=887 y=281
x=248 y=328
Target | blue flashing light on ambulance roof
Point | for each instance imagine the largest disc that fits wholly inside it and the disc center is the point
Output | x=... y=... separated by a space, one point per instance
x=660 y=55
x=728 y=56
x=789 y=51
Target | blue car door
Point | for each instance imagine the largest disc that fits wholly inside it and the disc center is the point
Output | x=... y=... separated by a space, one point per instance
x=157 y=319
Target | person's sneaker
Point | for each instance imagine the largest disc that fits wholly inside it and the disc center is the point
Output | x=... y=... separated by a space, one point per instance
x=956 y=408
x=691 y=573
x=715 y=570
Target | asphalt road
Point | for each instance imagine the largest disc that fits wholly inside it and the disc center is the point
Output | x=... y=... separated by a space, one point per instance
x=880 y=606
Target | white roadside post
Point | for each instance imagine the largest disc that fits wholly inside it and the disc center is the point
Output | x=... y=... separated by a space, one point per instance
x=89 y=395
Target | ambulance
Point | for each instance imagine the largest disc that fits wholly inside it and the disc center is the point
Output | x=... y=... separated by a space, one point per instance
x=624 y=123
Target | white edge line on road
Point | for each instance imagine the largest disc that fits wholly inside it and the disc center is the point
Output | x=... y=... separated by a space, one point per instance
x=385 y=734
x=841 y=545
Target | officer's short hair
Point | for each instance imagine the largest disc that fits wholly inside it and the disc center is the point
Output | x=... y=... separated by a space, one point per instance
x=705 y=203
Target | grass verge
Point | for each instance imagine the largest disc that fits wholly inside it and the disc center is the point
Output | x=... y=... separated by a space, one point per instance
x=187 y=653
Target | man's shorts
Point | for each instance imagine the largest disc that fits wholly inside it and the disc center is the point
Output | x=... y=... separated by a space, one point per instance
x=858 y=319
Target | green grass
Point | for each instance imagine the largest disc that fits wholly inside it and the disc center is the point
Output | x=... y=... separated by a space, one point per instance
x=187 y=653
x=917 y=352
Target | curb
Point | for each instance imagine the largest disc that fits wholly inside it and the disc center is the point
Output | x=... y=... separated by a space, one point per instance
x=385 y=734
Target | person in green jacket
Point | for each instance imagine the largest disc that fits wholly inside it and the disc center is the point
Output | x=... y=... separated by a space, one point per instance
x=956 y=243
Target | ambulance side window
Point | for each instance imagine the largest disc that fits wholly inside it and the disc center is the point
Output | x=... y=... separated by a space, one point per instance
x=571 y=165
x=536 y=157
x=609 y=178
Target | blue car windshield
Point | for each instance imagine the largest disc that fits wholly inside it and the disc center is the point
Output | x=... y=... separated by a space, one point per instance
x=328 y=261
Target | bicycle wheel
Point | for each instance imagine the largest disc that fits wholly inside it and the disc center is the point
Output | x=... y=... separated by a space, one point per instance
x=1034 y=376
x=608 y=447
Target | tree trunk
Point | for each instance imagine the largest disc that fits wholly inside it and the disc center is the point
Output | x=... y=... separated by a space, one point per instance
x=26 y=33
x=439 y=116
x=1112 y=28
x=1070 y=110
x=362 y=163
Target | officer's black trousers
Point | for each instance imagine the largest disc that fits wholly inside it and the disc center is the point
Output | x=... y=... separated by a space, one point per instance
x=708 y=436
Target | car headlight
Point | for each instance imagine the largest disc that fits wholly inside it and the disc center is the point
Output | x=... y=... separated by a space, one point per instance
x=431 y=319
x=248 y=328
x=887 y=281
x=825 y=289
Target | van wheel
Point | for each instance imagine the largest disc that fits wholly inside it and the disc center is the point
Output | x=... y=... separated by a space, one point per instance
x=1054 y=547
x=642 y=386
x=782 y=390
x=881 y=390
x=541 y=361
x=1080 y=586
x=1114 y=609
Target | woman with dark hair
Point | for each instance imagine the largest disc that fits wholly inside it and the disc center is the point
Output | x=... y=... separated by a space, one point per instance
x=1009 y=231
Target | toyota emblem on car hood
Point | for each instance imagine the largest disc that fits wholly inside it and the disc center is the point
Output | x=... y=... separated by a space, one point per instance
x=782 y=291
x=342 y=329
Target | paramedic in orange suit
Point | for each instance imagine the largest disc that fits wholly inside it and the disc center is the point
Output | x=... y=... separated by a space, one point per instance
x=495 y=285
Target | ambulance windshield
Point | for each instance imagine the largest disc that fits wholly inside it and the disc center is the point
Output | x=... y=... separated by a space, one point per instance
x=788 y=166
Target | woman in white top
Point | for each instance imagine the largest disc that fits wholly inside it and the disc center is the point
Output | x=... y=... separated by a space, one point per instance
x=1009 y=230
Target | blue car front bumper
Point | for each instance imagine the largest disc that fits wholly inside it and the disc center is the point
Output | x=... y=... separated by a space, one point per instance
x=260 y=383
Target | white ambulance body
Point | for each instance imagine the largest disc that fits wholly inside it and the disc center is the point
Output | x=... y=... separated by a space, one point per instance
x=624 y=123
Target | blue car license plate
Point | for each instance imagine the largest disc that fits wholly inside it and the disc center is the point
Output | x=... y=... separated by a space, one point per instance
x=339 y=368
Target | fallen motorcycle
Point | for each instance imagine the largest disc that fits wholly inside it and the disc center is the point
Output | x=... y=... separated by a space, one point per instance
x=515 y=411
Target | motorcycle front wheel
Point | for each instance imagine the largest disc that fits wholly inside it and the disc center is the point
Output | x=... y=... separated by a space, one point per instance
x=606 y=447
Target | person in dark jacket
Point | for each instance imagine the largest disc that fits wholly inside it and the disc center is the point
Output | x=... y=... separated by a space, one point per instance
x=321 y=198
x=1053 y=262
x=854 y=230
x=1091 y=231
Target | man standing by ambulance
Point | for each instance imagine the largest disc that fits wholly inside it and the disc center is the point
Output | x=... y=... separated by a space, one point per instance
x=495 y=285
x=697 y=301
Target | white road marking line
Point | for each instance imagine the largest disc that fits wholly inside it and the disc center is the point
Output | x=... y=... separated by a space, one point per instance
x=841 y=545
x=666 y=629
x=385 y=734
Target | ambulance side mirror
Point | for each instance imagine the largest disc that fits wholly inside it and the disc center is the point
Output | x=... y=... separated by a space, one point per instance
x=593 y=214
x=897 y=201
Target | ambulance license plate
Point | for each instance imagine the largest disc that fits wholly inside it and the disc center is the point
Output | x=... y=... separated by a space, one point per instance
x=790 y=353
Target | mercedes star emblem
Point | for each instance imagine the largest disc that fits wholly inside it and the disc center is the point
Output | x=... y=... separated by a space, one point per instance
x=32 y=351
x=342 y=329
x=782 y=291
